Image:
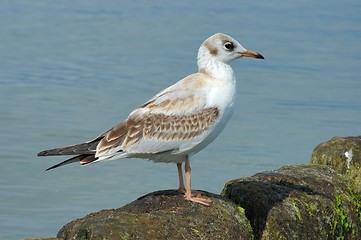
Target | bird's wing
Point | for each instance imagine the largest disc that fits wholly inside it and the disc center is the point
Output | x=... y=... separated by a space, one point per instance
x=175 y=119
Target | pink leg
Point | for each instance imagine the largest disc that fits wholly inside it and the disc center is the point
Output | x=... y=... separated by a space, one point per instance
x=181 y=188
x=188 y=195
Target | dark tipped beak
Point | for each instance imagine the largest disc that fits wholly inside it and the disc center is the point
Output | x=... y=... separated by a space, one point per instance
x=251 y=54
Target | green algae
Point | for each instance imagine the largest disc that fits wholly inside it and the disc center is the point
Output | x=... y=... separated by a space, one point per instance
x=340 y=220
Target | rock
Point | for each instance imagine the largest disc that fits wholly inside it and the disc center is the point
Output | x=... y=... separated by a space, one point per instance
x=298 y=202
x=163 y=215
x=344 y=155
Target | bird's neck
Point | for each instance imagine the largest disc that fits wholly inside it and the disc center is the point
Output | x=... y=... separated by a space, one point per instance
x=215 y=69
x=208 y=63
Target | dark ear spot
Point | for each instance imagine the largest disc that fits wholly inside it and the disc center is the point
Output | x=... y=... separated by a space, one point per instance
x=212 y=50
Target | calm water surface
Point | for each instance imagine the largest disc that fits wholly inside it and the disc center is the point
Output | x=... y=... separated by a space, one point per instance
x=72 y=69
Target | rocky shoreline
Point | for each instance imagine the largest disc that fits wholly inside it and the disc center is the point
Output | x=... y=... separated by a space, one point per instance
x=320 y=200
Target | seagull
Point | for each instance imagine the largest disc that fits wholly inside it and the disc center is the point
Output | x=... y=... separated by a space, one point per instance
x=177 y=122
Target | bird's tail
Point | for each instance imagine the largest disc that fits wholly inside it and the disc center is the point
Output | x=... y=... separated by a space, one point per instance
x=85 y=153
x=83 y=148
x=82 y=159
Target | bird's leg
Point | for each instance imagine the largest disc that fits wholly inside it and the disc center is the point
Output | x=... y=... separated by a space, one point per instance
x=188 y=195
x=181 y=188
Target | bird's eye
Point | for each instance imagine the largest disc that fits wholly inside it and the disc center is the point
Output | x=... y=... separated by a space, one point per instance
x=228 y=46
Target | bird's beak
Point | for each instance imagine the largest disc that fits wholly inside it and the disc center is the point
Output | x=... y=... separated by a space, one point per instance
x=251 y=54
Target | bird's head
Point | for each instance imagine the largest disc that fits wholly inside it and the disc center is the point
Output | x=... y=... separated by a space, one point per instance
x=223 y=48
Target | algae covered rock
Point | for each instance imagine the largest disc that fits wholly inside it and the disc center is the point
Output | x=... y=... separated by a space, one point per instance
x=298 y=202
x=344 y=155
x=163 y=215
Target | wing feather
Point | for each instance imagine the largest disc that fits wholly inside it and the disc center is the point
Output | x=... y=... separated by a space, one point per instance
x=159 y=132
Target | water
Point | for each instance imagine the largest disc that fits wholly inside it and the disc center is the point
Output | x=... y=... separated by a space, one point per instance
x=72 y=69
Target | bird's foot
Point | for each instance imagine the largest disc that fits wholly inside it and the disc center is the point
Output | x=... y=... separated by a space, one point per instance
x=198 y=198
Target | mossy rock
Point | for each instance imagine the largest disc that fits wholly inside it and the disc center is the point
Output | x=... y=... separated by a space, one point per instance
x=163 y=215
x=344 y=155
x=298 y=202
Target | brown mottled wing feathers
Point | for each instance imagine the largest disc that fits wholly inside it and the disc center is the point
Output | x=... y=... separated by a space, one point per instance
x=112 y=138
x=150 y=126
x=165 y=127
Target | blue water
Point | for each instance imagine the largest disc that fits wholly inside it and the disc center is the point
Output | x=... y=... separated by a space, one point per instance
x=69 y=70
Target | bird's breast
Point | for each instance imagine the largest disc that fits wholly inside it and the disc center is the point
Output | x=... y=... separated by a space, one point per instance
x=221 y=94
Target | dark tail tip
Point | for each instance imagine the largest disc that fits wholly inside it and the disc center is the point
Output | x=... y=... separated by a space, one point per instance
x=43 y=153
x=72 y=160
x=55 y=166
